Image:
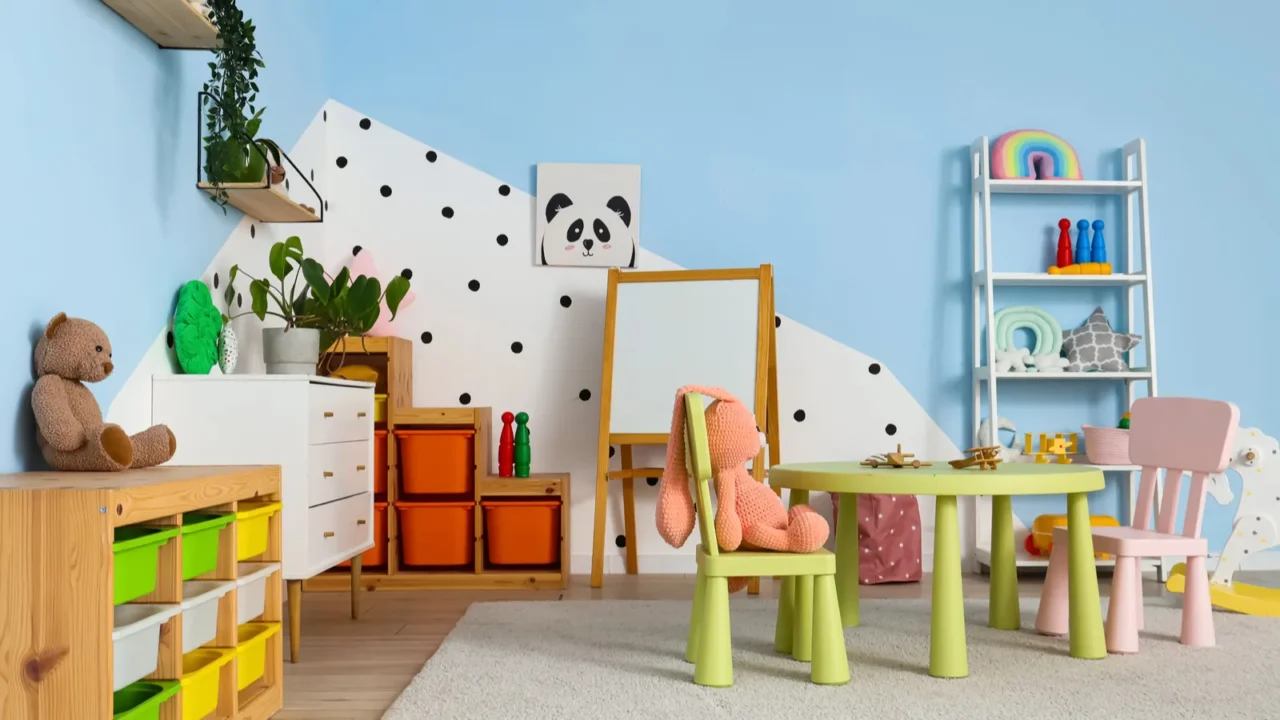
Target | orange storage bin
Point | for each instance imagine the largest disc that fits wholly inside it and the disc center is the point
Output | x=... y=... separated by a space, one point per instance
x=436 y=462
x=379 y=462
x=376 y=555
x=522 y=532
x=437 y=534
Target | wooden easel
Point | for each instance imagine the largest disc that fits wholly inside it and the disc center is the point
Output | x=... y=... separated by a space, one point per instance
x=766 y=406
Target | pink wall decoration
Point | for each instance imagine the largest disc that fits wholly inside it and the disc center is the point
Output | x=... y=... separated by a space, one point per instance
x=362 y=264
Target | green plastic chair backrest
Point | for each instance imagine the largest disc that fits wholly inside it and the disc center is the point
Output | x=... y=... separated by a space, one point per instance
x=697 y=458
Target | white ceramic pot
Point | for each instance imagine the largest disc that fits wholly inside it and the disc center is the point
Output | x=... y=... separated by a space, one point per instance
x=290 y=351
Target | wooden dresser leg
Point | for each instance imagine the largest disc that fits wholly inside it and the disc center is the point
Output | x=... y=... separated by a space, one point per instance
x=356 y=563
x=295 y=618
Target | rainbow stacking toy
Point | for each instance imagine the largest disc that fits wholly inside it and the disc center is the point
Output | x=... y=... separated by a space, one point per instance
x=1034 y=155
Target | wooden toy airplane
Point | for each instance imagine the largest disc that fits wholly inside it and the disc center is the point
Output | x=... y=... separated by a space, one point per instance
x=986 y=458
x=897 y=459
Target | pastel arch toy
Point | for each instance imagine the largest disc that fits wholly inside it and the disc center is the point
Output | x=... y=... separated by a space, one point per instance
x=1045 y=356
x=1034 y=155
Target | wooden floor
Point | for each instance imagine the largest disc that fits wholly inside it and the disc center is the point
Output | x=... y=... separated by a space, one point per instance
x=354 y=669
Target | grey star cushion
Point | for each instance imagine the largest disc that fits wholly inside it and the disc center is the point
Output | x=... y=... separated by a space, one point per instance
x=1095 y=346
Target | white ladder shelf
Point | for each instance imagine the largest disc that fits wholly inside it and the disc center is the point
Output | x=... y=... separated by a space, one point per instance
x=1136 y=278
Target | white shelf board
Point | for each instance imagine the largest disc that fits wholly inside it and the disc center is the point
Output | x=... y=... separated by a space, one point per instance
x=1065 y=187
x=1047 y=280
x=1024 y=559
x=984 y=373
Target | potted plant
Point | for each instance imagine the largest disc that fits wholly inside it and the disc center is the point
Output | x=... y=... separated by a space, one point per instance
x=316 y=308
x=232 y=152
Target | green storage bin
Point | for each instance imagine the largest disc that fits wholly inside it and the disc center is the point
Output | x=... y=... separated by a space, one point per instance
x=200 y=533
x=137 y=553
x=142 y=700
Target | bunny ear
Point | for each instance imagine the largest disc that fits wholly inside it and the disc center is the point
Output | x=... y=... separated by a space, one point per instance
x=675 y=512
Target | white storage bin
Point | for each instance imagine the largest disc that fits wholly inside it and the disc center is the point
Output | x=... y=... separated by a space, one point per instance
x=200 y=611
x=251 y=595
x=135 y=642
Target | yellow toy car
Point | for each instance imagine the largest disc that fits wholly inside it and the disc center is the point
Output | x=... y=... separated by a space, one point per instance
x=1040 y=540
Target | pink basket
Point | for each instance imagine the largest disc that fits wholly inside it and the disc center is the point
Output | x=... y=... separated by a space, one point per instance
x=1106 y=446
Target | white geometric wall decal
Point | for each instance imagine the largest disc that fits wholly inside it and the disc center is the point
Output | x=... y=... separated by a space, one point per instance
x=492 y=329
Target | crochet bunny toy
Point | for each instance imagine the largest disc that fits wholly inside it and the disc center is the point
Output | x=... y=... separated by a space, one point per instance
x=749 y=515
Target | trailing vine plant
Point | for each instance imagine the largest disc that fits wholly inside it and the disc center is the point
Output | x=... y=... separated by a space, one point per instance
x=232 y=89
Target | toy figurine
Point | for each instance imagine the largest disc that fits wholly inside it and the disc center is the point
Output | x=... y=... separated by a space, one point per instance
x=1064 y=243
x=505 y=446
x=522 y=445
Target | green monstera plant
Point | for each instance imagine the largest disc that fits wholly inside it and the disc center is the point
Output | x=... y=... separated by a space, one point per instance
x=308 y=297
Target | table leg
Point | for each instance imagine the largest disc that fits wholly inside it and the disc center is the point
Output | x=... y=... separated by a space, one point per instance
x=948 y=656
x=1088 y=640
x=847 y=560
x=1004 y=611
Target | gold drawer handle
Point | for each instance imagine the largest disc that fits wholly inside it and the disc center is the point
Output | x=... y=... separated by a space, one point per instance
x=328 y=533
x=360 y=414
x=328 y=414
x=361 y=521
x=328 y=474
x=359 y=468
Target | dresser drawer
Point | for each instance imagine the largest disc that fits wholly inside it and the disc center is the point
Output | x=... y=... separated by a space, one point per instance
x=340 y=414
x=337 y=470
x=338 y=530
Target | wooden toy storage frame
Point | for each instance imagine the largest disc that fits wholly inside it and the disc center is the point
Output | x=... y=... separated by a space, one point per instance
x=480 y=576
x=56 y=607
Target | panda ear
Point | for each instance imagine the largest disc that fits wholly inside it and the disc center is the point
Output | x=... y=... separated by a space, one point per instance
x=620 y=206
x=558 y=202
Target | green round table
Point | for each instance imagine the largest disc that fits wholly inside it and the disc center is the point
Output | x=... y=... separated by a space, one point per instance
x=948 y=656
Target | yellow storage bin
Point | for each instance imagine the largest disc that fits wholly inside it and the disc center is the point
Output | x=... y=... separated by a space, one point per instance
x=380 y=407
x=201 y=672
x=252 y=522
x=251 y=652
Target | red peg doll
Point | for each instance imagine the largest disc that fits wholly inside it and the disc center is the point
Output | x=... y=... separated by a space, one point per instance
x=1064 y=243
x=506 y=447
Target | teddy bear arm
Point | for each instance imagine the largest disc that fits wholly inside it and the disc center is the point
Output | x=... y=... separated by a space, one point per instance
x=55 y=417
x=728 y=523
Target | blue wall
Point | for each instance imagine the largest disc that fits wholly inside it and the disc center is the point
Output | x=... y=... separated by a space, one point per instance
x=99 y=215
x=830 y=138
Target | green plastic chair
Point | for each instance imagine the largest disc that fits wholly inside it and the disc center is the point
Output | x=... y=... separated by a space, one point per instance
x=809 y=626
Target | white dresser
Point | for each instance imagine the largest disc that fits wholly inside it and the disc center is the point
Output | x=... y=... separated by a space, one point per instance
x=318 y=430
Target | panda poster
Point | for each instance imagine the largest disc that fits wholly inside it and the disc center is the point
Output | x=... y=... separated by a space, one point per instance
x=588 y=215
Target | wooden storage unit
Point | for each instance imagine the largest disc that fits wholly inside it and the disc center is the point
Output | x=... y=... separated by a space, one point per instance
x=173 y=24
x=480 y=575
x=56 y=531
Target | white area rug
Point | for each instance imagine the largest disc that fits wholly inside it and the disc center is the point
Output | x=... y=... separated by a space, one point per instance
x=598 y=660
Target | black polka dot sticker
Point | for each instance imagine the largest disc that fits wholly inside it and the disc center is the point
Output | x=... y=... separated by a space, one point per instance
x=365 y=124
x=502 y=240
x=326 y=205
x=253 y=232
x=431 y=156
x=385 y=190
x=215 y=281
x=585 y=395
x=342 y=161
x=610 y=451
x=313 y=174
x=504 y=190
x=426 y=338
x=168 y=338
x=446 y=211
x=651 y=481
x=465 y=398
x=777 y=321
x=239 y=300
x=565 y=301
x=517 y=347
x=620 y=541
x=326 y=116
x=798 y=415
x=474 y=286
x=890 y=429
x=874 y=368
x=356 y=250
x=407 y=274
x=286 y=184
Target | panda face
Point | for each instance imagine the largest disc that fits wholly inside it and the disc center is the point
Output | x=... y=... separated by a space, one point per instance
x=588 y=235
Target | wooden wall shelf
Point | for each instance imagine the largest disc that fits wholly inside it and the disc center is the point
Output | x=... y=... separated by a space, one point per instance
x=174 y=24
x=268 y=204
x=481 y=576
x=56 y=531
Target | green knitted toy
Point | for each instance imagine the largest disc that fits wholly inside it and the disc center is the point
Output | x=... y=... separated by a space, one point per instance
x=196 y=324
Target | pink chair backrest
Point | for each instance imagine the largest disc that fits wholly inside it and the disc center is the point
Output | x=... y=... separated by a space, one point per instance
x=1179 y=435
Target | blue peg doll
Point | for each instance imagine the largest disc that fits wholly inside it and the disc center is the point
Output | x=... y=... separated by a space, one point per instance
x=1099 y=243
x=1082 y=242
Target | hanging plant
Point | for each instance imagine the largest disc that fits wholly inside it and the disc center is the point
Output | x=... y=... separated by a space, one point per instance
x=231 y=151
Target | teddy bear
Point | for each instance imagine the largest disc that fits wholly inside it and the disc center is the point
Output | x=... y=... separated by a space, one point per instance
x=70 y=431
x=748 y=514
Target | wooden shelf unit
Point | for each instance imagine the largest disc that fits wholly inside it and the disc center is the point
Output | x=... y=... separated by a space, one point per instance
x=264 y=203
x=480 y=576
x=56 y=608
x=174 y=24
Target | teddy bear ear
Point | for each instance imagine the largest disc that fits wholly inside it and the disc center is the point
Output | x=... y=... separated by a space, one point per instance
x=53 y=325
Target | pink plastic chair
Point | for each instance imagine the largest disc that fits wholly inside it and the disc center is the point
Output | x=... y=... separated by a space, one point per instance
x=1179 y=435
